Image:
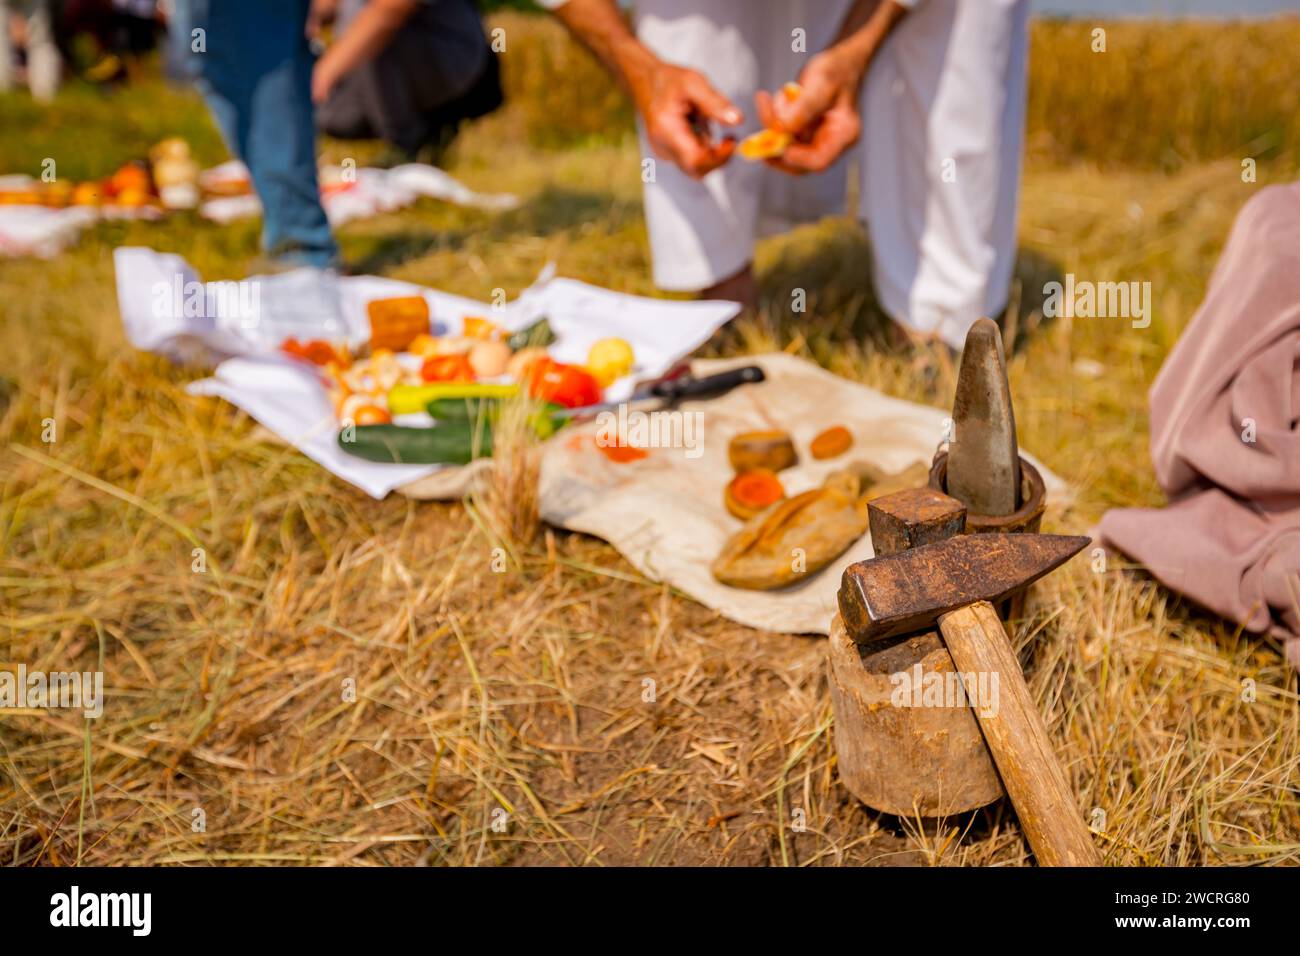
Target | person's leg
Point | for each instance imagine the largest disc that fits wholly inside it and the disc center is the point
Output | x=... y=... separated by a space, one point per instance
x=44 y=65
x=7 y=64
x=943 y=114
x=741 y=287
x=256 y=71
x=702 y=231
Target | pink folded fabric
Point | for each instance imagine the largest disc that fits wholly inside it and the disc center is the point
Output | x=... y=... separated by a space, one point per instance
x=1224 y=442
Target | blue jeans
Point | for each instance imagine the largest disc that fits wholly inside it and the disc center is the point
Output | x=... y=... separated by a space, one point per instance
x=254 y=68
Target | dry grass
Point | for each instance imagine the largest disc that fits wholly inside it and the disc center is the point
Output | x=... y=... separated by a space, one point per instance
x=480 y=692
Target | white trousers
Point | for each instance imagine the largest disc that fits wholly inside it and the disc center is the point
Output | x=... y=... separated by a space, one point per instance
x=943 y=110
x=44 y=64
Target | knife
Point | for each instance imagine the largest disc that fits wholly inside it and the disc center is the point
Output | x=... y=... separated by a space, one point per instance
x=673 y=389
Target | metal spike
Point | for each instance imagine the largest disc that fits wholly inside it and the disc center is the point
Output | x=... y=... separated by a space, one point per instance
x=983 y=458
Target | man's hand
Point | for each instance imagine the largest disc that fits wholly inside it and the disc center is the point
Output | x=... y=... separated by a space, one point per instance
x=366 y=37
x=676 y=105
x=324 y=76
x=824 y=119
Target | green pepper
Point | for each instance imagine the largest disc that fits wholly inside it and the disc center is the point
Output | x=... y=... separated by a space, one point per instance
x=538 y=334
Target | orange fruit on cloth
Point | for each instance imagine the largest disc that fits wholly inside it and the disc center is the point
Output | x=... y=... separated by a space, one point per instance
x=834 y=441
x=751 y=491
x=87 y=194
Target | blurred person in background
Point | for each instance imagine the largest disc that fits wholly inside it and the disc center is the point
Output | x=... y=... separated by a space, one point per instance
x=404 y=71
x=253 y=64
x=29 y=25
x=119 y=30
x=934 y=89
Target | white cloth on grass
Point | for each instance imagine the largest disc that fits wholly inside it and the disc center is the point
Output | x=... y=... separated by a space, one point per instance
x=943 y=111
x=168 y=309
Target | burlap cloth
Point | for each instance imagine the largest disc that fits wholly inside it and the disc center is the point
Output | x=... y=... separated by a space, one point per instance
x=665 y=513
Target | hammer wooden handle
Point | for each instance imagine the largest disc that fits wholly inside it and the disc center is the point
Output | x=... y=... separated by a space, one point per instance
x=1018 y=740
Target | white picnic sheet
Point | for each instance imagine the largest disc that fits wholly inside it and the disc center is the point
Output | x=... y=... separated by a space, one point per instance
x=373 y=191
x=286 y=397
x=44 y=233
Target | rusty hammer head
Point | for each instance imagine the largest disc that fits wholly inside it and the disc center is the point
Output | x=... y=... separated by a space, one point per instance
x=907 y=590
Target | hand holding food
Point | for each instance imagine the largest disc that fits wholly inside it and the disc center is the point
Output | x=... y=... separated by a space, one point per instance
x=822 y=119
x=771 y=141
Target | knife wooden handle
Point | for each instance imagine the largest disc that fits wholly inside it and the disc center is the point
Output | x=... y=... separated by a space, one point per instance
x=1017 y=739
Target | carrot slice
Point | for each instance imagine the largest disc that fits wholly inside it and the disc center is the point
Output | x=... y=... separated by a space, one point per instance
x=621 y=454
x=751 y=491
x=834 y=441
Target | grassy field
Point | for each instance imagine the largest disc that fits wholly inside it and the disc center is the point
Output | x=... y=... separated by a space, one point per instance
x=480 y=693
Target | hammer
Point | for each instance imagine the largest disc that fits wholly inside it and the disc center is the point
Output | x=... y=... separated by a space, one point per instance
x=953 y=581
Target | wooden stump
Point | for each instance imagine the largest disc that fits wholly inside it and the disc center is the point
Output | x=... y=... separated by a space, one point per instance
x=909 y=761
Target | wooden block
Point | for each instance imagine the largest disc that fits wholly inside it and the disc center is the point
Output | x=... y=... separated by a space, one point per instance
x=909 y=761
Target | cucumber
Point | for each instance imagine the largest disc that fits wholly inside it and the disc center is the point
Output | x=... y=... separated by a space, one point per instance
x=463 y=409
x=470 y=410
x=451 y=443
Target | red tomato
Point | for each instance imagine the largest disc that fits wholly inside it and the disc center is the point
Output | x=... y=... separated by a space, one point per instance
x=317 y=351
x=447 y=368
x=566 y=385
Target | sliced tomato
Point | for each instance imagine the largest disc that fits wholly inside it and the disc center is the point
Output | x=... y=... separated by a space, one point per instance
x=447 y=368
x=317 y=351
x=372 y=415
x=566 y=385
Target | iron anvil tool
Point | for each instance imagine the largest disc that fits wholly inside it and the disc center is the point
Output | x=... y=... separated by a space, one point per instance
x=982 y=467
x=951 y=581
